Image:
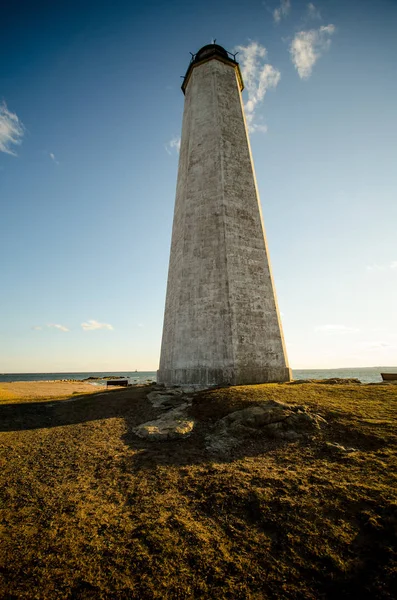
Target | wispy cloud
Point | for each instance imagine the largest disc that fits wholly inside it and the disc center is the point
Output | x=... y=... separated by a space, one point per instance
x=57 y=326
x=390 y=267
x=52 y=156
x=281 y=11
x=313 y=12
x=37 y=328
x=258 y=77
x=11 y=130
x=173 y=145
x=377 y=345
x=91 y=325
x=336 y=329
x=307 y=47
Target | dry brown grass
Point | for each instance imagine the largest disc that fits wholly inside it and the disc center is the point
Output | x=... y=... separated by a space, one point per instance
x=27 y=391
x=91 y=511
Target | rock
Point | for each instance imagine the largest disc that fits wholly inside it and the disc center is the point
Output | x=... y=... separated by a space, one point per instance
x=195 y=387
x=221 y=444
x=255 y=416
x=339 y=381
x=174 y=402
x=330 y=381
x=170 y=425
x=275 y=416
x=292 y=435
x=304 y=421
x=335 y=447
x=165 y=399
x=272 y=419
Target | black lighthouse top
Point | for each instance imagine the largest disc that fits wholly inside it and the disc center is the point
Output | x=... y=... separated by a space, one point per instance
x=207 y=53
x=210 y=50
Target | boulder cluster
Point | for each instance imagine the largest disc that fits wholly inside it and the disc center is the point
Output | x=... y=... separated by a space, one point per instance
x=269 y=418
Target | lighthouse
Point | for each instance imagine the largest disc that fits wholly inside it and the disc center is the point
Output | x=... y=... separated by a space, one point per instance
x=221 y=322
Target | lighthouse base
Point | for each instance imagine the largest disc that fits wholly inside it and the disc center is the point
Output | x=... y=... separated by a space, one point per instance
x=205 y=376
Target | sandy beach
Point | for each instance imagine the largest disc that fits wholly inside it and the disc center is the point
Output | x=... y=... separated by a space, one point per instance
x=24 y=391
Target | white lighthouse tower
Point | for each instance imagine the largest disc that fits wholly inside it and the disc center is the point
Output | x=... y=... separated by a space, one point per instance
x=221 y=321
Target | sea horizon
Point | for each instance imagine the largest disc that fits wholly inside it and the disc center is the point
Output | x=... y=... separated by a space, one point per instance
x=364 y=374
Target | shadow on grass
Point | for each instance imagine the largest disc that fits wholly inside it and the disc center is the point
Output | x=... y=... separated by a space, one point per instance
x=23 y=416
x=285 y=518
x=132 y=406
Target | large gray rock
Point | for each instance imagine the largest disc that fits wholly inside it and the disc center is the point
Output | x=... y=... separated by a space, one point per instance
x=166 y=399
x=172 y=424
x=257 y=416
x=272 y=419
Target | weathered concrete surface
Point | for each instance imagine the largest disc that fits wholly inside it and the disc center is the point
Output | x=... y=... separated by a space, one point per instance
x=221 y=323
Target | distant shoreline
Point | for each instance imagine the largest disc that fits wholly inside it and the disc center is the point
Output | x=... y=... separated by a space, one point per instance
x=364 y=374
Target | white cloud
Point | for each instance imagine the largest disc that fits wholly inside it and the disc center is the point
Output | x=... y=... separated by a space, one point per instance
x=11 y=130
x=91 y=325
x=52 y=156
x=336 y=329
x=173 y=144
x=378 y=345
x=57 y=326
x=313 y=12
x=307 y=47
x=258 y=77
x=390 y=267
x=282 y=10
x=253 y=127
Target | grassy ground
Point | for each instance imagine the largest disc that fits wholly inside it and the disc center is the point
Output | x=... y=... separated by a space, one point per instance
x=91 y=511
x=30 y=391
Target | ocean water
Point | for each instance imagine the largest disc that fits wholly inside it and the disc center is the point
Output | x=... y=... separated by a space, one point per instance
x=133 y=376
x=365 y=374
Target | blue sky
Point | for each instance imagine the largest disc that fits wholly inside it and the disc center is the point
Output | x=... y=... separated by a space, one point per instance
x=89 y=127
